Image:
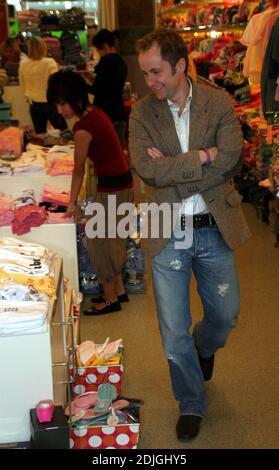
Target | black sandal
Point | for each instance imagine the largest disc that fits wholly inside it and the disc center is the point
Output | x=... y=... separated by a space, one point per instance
x=99 y=300
x=108 y=308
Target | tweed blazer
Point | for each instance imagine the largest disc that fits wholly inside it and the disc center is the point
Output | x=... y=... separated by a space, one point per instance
x=178 y=175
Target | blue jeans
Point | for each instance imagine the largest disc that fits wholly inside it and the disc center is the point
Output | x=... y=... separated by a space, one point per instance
x=213 y=265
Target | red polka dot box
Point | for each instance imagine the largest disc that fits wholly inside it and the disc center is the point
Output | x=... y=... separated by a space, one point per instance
x=88 y=379
x=121 y=436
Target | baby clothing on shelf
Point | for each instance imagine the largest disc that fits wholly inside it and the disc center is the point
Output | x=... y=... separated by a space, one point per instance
x=51 y=194
x=6 y=210
x=27 y=217
x=23 y=317
x=25 y=263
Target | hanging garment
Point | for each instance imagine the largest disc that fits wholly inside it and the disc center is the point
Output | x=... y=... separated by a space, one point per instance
x=270 y=72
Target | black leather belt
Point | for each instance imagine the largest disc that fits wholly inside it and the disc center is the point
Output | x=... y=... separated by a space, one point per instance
x=199 y=220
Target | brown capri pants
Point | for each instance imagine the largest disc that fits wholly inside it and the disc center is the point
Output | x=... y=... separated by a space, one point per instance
x=108 y=255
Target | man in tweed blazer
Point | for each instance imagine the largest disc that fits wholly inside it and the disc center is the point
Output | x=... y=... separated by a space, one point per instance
x=186 y=145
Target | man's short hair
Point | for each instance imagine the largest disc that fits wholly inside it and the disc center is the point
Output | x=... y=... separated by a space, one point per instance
x=171 y=45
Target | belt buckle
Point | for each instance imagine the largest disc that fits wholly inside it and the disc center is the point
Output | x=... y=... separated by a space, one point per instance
x=198 y=221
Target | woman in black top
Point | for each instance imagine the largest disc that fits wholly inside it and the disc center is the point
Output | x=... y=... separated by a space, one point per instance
x=110 y=76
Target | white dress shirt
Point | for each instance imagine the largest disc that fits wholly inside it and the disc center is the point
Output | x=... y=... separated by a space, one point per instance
x=194 y=204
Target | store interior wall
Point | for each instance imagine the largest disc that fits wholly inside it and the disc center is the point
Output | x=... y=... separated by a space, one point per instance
x=134 y=20
x=107 y=14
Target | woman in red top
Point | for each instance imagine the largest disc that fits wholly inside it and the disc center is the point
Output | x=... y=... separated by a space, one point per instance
x=96 y=139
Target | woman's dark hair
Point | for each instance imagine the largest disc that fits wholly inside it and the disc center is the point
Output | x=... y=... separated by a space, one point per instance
x=67 y=86
x=104 y=36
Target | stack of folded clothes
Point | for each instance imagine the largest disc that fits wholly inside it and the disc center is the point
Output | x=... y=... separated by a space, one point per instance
x=51 y=194
x=27 y=217
x=10 y=141
x=23 y=310
x=29 y=163
x=59 y=163
x=26 y=263
x=6 y=210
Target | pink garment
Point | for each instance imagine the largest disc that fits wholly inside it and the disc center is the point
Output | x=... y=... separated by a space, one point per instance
x=59 y=163
x=60 y=167
x=27 y=217
x=59 y=218
x=50 y=194
x=10 y=141
x=6 y=210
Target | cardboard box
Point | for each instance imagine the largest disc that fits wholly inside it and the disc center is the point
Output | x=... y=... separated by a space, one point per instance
x=121 y=436
x=88 y=379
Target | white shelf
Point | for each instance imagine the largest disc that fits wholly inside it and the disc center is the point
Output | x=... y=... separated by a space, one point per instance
x=60 y=238
x=27 y=371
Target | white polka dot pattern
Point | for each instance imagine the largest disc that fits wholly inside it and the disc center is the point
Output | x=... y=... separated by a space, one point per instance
x=95 y=441
x=122 y=439
x=134 y=427
x=79 y=389
x=91 y=379
x=114 y=378
x=122 y=436
x=71 y=443
x=80 y=432
x=108 y=429
x=102 y=369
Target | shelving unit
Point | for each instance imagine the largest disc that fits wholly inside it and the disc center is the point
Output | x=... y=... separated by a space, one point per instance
x=33 y=368
x=192 y=16
x=61 y=238
x=211 y=27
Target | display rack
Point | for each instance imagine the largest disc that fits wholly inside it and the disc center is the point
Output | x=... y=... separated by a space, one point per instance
x=60 y=238
x=191 y=15
x=33 y=368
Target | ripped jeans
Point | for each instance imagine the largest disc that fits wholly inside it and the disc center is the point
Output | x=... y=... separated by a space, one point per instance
x=213 y=265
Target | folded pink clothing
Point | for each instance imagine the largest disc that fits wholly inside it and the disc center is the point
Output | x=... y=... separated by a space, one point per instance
x=10 y=141
x=60 y=200
x=59 y=166
x=6 y=217
x=50 y=194
x=59 y=218
x=27 y=217
x=24 y=212
x=22 y=228
x=6 y=210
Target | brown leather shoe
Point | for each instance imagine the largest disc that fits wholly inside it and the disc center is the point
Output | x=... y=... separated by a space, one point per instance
x=207 y=364
x=188 y=427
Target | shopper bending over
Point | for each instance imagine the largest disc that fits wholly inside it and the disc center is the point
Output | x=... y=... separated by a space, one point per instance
x=109 y=78
x=186 y=143
x=33 y=76
x=95 y=138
